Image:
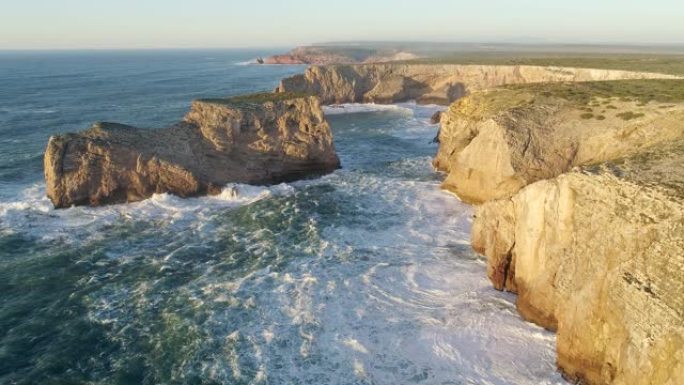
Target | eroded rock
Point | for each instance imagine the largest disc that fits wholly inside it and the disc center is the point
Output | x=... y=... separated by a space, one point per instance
x=257 y=139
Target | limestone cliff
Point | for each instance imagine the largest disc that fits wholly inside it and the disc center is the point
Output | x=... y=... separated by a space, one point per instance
x=582 y=215
x=597 y=254
x=494 y=143
x=257 y=139
x=430 y=83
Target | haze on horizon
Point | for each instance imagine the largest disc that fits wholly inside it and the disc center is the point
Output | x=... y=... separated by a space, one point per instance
x=84 y=24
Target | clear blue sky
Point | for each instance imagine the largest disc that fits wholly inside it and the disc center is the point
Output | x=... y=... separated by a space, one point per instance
x=56 y=24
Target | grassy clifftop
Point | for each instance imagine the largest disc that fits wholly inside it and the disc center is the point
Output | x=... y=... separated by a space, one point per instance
x=586 y=93
x=660 y=63
x=257 y=98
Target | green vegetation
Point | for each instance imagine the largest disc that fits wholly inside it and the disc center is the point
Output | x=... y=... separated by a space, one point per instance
x=629 y=115
x=585 y=93
x=258 y=98
x=660 y=63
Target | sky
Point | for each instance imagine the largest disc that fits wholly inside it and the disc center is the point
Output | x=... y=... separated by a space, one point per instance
x=111 y=24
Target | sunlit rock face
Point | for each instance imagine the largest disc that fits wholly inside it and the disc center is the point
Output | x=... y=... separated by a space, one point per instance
x=597 y=255
x=494 y=143
x=583 y=218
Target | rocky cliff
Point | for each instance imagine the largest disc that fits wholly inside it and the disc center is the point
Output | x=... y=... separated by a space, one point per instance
x=582 y=214
x=494 y=143
x=430 y=83
x=596 y=254
x=259 y=139
x=331 y=54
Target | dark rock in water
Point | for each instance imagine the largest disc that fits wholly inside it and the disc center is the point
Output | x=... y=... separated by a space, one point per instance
x=260 y=60
x=436 y=117
x=436 y=138
x=258 y=139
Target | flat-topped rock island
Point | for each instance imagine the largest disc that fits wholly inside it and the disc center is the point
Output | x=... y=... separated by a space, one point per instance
x=256 y=139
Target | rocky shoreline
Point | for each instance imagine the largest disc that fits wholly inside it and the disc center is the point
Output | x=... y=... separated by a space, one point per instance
x=579 y=189
x=578 y=192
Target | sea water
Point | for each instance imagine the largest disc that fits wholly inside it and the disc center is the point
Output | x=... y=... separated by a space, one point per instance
x=364 y=276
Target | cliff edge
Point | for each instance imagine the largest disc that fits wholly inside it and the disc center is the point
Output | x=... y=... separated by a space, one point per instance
x=257 y=139
x=596 y=254
x=581 y=213
x=432 y=83
x=493 y=143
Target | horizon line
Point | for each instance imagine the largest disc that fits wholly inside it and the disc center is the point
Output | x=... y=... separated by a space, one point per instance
x=348 y=42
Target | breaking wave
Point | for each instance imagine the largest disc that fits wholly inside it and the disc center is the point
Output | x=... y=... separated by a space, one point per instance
x=33 y=214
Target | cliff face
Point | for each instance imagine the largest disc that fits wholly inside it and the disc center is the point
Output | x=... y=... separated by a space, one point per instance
x=582 y=215
x=494 y=143
x=430 y=83
x=597 y=255
x=242 y=140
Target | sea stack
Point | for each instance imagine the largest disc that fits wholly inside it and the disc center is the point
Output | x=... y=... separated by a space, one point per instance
x=256 y=139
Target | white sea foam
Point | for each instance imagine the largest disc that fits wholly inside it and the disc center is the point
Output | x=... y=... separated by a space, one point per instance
x=391 y=296
x=355 y=108
x=38 y=111
x=33 y=215
x=245 y=63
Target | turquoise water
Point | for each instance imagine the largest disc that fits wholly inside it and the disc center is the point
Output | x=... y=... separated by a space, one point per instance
x=364 y=276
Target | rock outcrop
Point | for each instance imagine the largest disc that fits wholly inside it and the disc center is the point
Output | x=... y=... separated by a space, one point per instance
x=431 y=83
x=494 y=143
x=257 y=139
x=582 y=215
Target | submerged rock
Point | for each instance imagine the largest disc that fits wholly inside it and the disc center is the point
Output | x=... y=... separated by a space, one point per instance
x=257 y=139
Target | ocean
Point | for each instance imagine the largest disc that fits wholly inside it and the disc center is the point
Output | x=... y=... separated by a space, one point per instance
x=363 y=276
